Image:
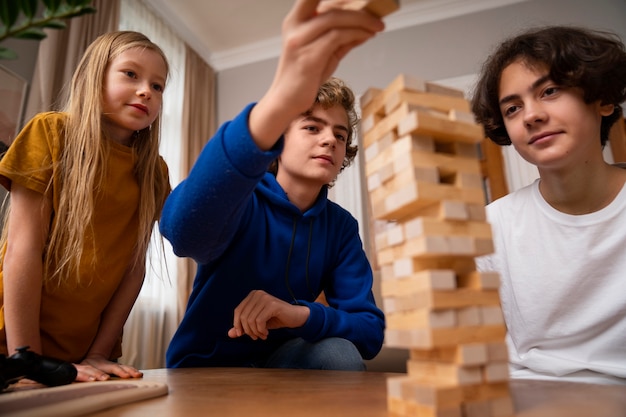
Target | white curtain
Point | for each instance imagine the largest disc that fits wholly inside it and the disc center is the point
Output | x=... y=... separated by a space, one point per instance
x=152 y=321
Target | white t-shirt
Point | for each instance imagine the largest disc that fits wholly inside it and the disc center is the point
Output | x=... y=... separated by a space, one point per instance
x=563 y=288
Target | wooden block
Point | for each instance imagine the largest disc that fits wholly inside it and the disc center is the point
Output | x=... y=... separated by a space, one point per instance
x=491 y=315
x=439 y=246
x=496 y=372
x=485 y=392
x=388 y=123
x=442 y=129
x=427 y=395
x=466 y=180
x=422 y=225
x=368 y=96
x=375 y=103
x=445 y=104
x=469 y=316
x=385 y=256
x=380 y=145
x=378 y=8
x=445 y=164
x=405 y=178
x=477 y=211
x=427 y=338
x=380 y=241
x=461 y=116
x=429 y=280
x=395 y=235
x=465 y=354
x=406 y=82
x=502 y=407
x=497 y=352
x=460 y=265
x=413 y=174
x=479 y=280
x=403 y=408
x=397 y=148
x=418 y=318
x=383 y=175
x=400 y=201
x=369 y=121
x=444 y=373
x=477 y=409
x=469 y=150
x=374 y=181
x=444 y=299
x=444 y=395
x=446 y=210
x=444 y=90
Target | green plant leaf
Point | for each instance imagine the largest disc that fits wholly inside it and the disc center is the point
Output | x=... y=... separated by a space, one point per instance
x=52 y=5
x=87 y=10
x=9 y=11
x=79 y=3
x=31 y=33
x=33 y=21
x=29 y=8
x=55 y=24
x=6 y=53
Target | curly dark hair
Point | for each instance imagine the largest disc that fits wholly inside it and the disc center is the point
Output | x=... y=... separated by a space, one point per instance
x=335 y=92
x=594 y=61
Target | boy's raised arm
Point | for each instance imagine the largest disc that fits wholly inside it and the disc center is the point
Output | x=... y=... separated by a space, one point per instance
x=313 y=45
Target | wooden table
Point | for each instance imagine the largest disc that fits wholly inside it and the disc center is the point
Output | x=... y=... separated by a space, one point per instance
x=226 y=392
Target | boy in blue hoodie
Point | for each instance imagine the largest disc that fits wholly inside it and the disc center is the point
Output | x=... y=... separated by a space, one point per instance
x=268 y=242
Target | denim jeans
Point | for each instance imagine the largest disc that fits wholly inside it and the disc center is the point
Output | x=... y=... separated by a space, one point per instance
x=331 y=354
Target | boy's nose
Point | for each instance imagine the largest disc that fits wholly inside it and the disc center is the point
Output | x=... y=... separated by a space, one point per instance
x=534 y=113
x=330 y=141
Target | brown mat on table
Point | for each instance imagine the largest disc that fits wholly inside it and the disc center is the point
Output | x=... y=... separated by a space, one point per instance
x=76 y=399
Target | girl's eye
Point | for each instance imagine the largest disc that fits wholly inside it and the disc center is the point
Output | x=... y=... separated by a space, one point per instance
x=158 y=87
x=131 y=74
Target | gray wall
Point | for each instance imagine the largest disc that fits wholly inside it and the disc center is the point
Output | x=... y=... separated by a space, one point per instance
x=445 y=49
x=24 y=65
x=26 y=50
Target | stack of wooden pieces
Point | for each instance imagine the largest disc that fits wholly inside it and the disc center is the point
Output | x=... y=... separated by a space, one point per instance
x=427 y=194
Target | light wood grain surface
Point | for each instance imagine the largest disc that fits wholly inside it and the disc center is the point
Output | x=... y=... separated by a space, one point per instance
x=238 y=392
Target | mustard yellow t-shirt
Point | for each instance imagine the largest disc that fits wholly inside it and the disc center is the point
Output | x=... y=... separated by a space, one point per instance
x=71 y=314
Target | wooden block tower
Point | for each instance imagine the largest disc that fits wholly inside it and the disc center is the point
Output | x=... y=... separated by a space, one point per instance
x=427 y=198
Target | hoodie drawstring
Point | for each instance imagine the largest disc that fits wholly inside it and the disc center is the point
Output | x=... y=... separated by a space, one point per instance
x=308 y=256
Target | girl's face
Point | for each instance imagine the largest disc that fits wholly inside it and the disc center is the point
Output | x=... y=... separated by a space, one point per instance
x=315 y=147
x=133 y=92
x=549 y=125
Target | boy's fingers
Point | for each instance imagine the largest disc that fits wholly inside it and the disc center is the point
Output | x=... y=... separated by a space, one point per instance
x=302 y=10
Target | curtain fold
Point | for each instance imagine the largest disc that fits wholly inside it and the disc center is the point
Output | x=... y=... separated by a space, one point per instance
x=198 y=126
x=60 y=52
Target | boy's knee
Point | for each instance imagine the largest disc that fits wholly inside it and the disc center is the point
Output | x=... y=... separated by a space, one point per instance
x=340 y=355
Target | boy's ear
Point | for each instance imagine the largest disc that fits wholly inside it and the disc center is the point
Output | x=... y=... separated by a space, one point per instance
x=607 y=109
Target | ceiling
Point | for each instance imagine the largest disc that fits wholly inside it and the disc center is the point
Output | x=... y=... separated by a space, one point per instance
x=230 y=33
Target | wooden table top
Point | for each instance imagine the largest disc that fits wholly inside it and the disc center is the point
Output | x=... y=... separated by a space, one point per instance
x=239 y=392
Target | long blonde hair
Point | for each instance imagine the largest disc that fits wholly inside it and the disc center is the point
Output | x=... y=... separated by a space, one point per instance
x=83 y=159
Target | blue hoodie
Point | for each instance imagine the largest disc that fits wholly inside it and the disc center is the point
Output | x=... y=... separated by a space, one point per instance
x=233 y=218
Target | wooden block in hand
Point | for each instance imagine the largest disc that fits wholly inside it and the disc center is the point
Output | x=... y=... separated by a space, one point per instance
x=378 y=8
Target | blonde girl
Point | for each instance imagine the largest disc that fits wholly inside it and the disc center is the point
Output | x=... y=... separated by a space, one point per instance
x=86 y=185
